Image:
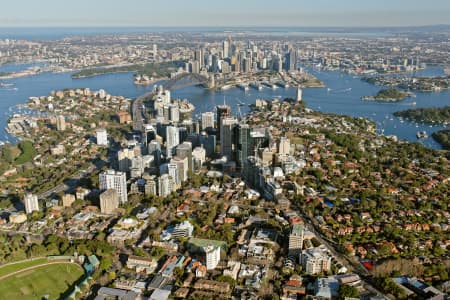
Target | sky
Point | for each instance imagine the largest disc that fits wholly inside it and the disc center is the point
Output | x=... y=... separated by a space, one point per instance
x=209 y=13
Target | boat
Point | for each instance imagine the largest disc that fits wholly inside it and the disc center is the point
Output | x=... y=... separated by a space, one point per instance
x=422 y=135
x=242 y=86
x=256 y=86
x=225 y=87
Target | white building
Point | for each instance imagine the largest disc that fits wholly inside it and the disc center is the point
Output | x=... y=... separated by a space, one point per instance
x=165 y=185
x=207 y=120
x=102 y=137
x=299 y=94
x=199 y=156
x=212 y=257
x=111 y=179
x=172 y=139
x=315 y=260
x=31 y=203
x=284 y=147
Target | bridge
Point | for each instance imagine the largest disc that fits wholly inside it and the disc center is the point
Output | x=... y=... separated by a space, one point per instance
x=178 y=81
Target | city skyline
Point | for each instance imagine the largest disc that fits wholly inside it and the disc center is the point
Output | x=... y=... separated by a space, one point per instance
x=321 y=13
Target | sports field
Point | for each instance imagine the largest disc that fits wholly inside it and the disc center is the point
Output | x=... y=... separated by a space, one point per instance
x=52 y=279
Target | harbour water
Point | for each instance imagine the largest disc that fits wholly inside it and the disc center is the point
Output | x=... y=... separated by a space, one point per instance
x=342 y=95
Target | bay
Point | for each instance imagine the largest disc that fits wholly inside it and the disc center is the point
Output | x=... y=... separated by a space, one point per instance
x=342 y=95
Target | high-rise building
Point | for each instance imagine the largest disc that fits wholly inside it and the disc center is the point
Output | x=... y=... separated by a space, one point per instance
x=109 y=201
x=198 y=56
x=296 y=240
x=207 y=120
x=212 y=256
x=102 y=137
x=60 y=123
x=124 y=158
x=111 y=179
x=150 y=187
x=299 y=94
x=223 y=111
x=208 y=142
x=291 y=60
x=165 y=185
x=154 y=148
x=174 y=113
x=226 y=133
x=226 y=48
x=244 y=143
x=184 y=150
x=155 y=50
x=284 y=146
x=31 y=203
x=174 y=172
x=172 y=139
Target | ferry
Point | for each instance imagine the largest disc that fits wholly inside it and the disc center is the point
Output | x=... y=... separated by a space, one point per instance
x=422 y=135
x=256 y=86
x=283 y=84
x=242 y=86
x=226 y=87
x=270 y=85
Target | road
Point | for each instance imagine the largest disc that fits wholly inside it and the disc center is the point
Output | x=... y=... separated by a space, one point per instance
x=138 y=111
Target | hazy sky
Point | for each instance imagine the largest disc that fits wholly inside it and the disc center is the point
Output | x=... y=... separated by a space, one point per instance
x=223 y=13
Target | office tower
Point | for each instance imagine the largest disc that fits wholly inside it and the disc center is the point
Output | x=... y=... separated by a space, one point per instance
x=194 y=67
x=149 y=134
x=102 y=137
x=155 y=50
x=31 y=203
x=296 y=240
x=111 y=179
x=244 y=143
x=124 y=158
x=223 y=111
x=150 y=186
x=184 y=150
x=165 y=185
x=60 y=123
x=226 y=48
x=172 y=139
x=154 y=148
x=198 y=56
x=174 y=172
x=208 y=142
x=174 y=113
x=299 y=94
x=212 y=256
x=291 y=60
x=137 y=167
x=284 y=146
x=277 y=64
x=207 y=120
x=109 y=201
x=226 y=132
x=182 y=166
x=199 y=157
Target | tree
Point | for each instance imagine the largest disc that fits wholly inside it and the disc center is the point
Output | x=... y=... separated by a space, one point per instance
x=347 y=291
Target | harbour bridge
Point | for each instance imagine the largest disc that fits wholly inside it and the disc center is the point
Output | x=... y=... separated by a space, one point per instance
x=176 y=82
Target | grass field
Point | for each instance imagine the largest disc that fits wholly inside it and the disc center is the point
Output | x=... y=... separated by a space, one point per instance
x=21 y=265
x=53 y=280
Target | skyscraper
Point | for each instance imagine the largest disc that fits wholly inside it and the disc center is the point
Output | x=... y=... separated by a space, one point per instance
x=299 y=94
x=198 y=56
x=31 y=203
x=244 y=145
x=165 y=185
x=226 y=133
x=172 y=139
x=291 y=60
x=226 y=49
x=207 y=120
x=223 y=111
x=111 y=179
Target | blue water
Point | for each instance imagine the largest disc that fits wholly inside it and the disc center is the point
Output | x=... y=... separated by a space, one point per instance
x=338 y=100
